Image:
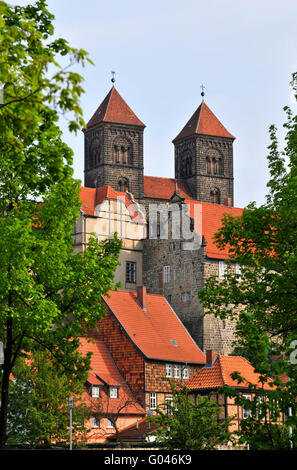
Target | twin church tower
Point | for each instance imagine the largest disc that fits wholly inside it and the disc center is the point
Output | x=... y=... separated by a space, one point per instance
x=114 y=153
x=203 y=172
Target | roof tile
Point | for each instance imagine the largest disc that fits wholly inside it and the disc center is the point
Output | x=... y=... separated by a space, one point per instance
x=154 y=329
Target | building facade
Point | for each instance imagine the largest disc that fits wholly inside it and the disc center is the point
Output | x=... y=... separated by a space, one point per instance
x=159 y=255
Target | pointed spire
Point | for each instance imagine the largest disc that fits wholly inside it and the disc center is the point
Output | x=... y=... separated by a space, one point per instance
x=204 y=122
x=114 y=109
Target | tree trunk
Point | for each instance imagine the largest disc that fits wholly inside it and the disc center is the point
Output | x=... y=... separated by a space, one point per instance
x=5 y=384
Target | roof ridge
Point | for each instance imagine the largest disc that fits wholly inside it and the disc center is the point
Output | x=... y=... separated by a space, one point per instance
x=221 y=368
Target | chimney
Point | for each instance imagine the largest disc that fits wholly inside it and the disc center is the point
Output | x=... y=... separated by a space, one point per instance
x=228 y=202
x=210 y=356
x=141 y=297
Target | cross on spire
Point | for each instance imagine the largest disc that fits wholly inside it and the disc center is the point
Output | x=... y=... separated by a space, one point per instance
x=113 y=79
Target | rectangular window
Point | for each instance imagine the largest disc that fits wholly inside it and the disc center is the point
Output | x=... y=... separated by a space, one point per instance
x=177 y=371
x=131 y=272
x=222 y=269
x=166 y=274
x=95 y=423
x=246 y=413
x=168 y=370
x=95 y=391
x=186 y=297
x=168 y=405
x=110 y=424
x=186 y=372
x=113 y=392
x=238 y=270
x=153 y=401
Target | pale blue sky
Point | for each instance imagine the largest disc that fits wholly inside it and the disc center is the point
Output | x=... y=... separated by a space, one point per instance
x=244 y=52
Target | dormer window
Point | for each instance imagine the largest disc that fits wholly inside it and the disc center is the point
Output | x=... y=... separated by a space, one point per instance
x=113 y=392
x=95 y=391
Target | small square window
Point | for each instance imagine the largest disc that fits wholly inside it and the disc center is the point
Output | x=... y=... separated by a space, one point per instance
x=110 y=424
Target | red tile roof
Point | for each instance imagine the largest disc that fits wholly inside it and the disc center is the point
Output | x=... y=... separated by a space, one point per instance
x=104 y=370
x=157 y=332
x=92 y=197
x=135 y=432
x=212 y=214
x=163 y=188
x=114 y=109
x=204 y=122
x=220 y=374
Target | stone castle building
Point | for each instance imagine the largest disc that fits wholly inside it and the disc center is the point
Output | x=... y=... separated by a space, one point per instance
x=117 y=196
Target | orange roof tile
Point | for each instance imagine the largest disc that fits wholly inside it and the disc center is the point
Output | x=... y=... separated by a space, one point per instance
x=104 y=369
x=114 y=109
x=220 y=374
x=204 y=122
x=212 y=214
x=136 y=431
x=163 y=188
x=157 y=332
x=92 y=197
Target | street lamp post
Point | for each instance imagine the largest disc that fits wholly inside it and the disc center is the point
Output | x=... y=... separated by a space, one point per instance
x=70 y=404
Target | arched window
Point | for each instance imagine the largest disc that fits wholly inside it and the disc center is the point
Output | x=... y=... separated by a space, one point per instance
x=214 y=163
x=215 y=196
x=214 y=166
x=123 y=185
x=186 y=164
x=122 y=150
x=220 y=166
x=95 y=153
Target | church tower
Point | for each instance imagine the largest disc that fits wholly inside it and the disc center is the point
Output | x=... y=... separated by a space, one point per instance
x=204 y=157
x=114 y=147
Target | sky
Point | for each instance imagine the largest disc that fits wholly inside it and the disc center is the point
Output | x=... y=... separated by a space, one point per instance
x=243 y=52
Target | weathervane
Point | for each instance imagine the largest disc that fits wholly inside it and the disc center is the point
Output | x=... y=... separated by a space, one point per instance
x=202 y=92
x=113 y=79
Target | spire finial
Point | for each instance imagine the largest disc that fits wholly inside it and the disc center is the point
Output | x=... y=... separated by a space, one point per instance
x=113 y=79
x=202 y=92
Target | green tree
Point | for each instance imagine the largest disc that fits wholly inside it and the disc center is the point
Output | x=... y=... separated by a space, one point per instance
x=263 y=297
x=49 y=295
x=38 y=410
x=190 y=425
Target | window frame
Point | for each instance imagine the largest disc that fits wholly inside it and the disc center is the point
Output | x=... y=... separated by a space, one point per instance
x=244 y=411
x=153 y=400
x=113 y=392
x=131 y=274
x=166 y=274
x=93 y=388
x=168 y=370
x=177 y=371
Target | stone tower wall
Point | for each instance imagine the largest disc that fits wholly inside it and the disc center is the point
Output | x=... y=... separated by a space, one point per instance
x=107 y=171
